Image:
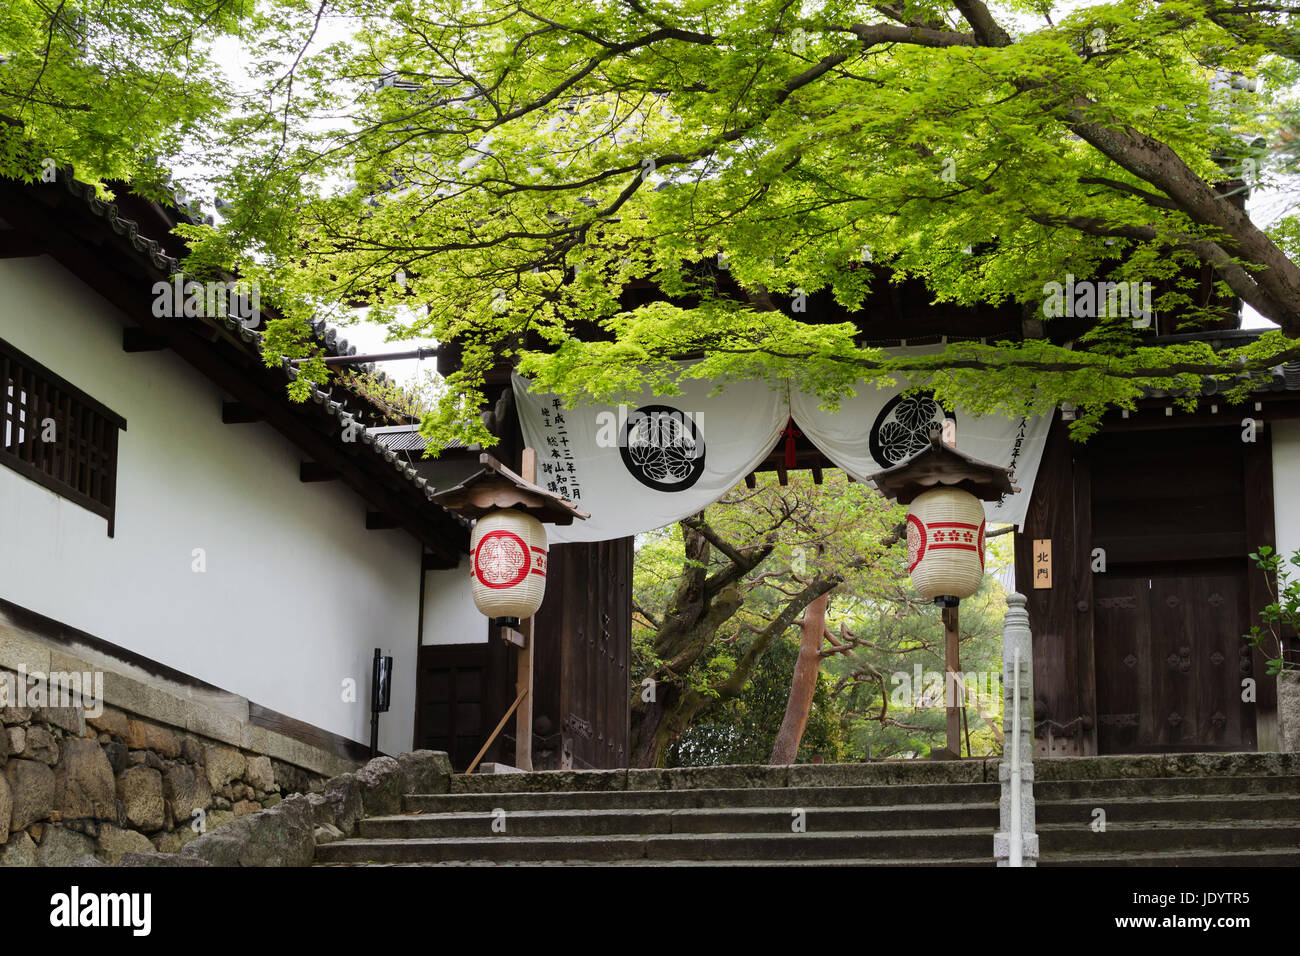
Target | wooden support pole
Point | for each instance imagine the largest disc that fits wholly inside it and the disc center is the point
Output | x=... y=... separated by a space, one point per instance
x=524 y=688
x=488 y=743
x=952 y=666
x=524 y=670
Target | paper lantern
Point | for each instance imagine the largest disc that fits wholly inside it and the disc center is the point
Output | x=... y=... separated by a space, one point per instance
x=945 y=543
x=508 y=564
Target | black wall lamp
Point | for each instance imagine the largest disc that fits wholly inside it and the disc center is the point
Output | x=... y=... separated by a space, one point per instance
x=381 y=694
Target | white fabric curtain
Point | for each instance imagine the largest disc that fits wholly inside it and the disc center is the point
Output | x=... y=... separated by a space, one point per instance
x=652 y=461
x=878 y=428
x=657 y=459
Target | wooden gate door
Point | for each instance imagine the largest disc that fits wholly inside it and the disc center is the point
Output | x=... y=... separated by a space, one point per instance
x=1170 y=659
x=584 y=638
x=1171 y=510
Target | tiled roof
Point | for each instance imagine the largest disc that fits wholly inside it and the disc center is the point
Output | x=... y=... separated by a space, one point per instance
x=1280 y=378
x=408 y=438
x=151 y=251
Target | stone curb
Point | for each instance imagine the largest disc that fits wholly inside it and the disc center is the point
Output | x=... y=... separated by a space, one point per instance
x=287 y=833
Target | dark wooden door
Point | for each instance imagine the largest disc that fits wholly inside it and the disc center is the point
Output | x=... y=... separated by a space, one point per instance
x=1170 y=511
x=460 y=691
x=584 y=638
x=1170 y=659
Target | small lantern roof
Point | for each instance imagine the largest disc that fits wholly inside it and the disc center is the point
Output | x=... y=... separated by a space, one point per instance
x=940 y=464
x=494 y=486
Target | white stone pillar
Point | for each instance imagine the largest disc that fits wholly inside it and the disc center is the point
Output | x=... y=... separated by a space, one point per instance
x=1017 y=642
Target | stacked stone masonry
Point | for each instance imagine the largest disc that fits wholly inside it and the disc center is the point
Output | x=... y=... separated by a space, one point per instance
x=76 y=785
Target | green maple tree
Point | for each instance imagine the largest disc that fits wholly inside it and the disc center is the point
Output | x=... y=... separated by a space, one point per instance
x=495 y=173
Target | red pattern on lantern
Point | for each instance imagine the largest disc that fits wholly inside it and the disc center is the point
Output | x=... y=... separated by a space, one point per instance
x=940 y=535
x=501 y=560
x=915 y=542
x=539 y=561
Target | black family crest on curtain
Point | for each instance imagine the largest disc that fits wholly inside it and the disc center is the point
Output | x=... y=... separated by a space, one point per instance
x=662 y=447
x=903 y=426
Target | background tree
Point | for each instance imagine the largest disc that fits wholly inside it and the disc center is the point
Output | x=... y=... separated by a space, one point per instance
x=883 y=711
x=743 y=729
x=714 y=592
x=722 y=658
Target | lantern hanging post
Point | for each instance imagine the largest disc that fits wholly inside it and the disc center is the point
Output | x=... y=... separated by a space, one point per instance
x=952 y=684
x=508 y=552
x=524 y=655
x=945 y=539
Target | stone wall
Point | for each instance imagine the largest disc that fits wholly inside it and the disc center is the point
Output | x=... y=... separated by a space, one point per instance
x=76 y=785
x=150 y=767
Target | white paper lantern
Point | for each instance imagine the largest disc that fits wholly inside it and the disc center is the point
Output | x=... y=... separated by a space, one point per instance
x=945 y=543
x=508 y=564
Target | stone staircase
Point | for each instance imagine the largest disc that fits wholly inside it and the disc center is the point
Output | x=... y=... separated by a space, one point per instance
x=1230 y=809
x=882 y=813
x=1189 y=809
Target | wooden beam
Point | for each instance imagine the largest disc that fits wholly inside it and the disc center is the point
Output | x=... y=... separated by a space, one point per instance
x=138 y=340
x=379 y=521
x=751 y=480
x=1260 y=530
x=237 y=413
x=1285 y=407
x=309 y=471
x=17 y=244
x=1082 y=580
x=488 y=743
x=437 y=562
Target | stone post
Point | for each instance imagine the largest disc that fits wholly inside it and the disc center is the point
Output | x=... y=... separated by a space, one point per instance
x=1016 y=637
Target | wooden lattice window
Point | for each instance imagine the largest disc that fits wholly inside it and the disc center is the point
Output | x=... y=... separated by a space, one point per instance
x=57 y=435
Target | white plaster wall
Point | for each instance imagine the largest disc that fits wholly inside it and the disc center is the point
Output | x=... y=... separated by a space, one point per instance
x=1286 y=485
x=450 y=616
x=296 y=595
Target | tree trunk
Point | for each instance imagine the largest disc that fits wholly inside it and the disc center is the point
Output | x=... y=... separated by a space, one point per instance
x=804 y=683
x=652 y=737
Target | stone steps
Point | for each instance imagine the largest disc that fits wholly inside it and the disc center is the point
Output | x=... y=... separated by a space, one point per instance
x=1162 y=836
x=1181 y=810
x=1177 y=810
x=886 y=814
x=1127 y=810
x=1273 y=856
x=972 y=845
x=938 y=861
x=808 y=796
x=1154 y=787
x=724 y=820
